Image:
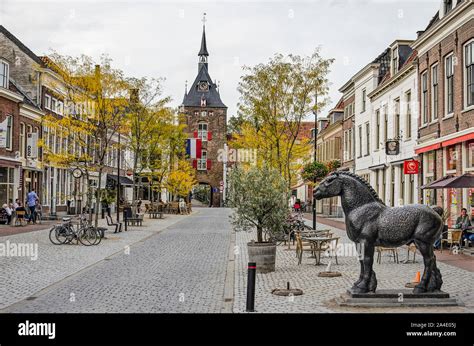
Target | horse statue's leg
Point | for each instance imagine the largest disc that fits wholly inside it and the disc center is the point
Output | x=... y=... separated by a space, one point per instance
x=431 y=280
x=360 y=254
x=368 y=283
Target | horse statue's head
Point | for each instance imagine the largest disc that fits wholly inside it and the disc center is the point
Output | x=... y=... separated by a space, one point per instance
x=330 y=186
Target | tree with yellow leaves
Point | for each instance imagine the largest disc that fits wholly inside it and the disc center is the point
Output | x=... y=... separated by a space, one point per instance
x=97 y=101
x=181 y=180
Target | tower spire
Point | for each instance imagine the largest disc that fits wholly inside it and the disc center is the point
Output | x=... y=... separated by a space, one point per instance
x=203 y=53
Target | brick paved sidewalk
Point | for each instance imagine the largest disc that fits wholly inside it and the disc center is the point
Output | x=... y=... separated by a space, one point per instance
x=319 y=292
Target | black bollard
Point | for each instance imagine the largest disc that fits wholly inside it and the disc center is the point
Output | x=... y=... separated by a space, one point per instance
x=252 y=269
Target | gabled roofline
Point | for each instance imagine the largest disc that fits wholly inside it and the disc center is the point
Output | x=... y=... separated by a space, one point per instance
x=440 y=23
x=20 y=45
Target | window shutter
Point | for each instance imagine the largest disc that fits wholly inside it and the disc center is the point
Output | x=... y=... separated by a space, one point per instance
x=209 y=135
x=209 y=165
x=195 y=134
x=195 y=164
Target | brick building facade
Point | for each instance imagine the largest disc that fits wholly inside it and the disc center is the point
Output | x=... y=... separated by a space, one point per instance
x=446 y=108
x=206 y=118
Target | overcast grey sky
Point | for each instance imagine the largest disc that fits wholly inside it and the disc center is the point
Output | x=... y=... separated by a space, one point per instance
x=161 y=38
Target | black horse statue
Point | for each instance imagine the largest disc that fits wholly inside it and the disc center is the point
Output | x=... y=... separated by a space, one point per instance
x=370 y=223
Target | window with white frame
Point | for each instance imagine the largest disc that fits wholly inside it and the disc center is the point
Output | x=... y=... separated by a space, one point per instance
x=449 y=81
x=424 y=97
x=396 y=118
x=203 y=113
x=367 y=140
x=364 y=96
x=394 y=61
x=470 y=154
x=360 y=140
x=202 y=131
x=469 y=73
x=202 y=162
x=377 y=129
x=4 y=72
x=60 y=107
x=448 y=6
x=9 y=132
x=434 y=92
x=408 y=114
x=22 y=140
x=385 y=127
x=53 y=104
x=47 y=102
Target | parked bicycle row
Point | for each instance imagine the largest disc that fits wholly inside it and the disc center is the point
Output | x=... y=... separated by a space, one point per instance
x=82 y=232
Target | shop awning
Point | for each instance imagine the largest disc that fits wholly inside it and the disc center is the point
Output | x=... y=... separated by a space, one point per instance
x=123 y=180
x=428 y=148
x=452 y=182
x=458 y=139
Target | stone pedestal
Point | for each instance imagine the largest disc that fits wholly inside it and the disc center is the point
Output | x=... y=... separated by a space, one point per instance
x=396 y=298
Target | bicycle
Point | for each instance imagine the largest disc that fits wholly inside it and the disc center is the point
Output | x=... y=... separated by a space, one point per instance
x=65 y=233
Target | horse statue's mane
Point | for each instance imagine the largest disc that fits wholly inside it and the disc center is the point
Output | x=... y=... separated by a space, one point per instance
x=362 y=181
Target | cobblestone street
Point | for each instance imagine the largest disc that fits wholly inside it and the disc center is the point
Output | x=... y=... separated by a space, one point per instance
x=183 y=264
x=180 y=269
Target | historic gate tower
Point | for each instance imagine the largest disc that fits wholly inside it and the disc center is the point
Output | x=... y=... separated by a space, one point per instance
x=206 y=119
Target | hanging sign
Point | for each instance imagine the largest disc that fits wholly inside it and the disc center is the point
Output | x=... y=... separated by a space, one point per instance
x=411 y=167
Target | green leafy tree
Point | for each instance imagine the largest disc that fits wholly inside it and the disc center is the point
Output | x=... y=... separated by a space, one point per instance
x=260 y=200
x=314 y=171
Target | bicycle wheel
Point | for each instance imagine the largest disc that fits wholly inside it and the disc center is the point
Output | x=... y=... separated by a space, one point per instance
x=87 y=236
x=62 y=234
x=53 y=235
x=99 y=236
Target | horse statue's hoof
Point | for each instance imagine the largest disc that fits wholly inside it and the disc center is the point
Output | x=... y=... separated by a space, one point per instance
x=358 y=290
x=419 y=289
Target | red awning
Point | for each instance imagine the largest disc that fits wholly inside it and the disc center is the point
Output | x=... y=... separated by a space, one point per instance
x=458 y=139
x=428 y=148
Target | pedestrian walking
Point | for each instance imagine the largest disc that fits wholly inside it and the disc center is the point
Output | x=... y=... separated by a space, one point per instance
x=31 y=200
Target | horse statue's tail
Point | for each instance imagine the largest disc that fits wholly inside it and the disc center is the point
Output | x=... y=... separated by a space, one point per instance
x=438 y=209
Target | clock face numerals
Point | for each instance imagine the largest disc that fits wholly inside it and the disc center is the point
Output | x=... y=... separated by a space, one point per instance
x=203 y=86
x=77 y=173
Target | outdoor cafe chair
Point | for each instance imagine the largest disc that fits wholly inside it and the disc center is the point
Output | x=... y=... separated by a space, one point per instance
x=454 y=238
x=392 y=250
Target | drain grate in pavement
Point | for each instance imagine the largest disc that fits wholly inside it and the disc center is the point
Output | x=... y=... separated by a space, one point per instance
x=31 y=298
x=228 y=300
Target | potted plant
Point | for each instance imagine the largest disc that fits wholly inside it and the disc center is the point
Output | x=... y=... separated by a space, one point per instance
x=259 y=199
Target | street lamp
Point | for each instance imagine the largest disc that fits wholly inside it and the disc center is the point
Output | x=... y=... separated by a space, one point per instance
x=315 y=112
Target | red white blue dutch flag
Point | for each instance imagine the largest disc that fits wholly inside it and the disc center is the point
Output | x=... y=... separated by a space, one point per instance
x=193 y=148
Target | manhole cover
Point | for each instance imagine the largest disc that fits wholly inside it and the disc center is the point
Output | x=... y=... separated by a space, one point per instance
x=287 y=292
x=329 y=274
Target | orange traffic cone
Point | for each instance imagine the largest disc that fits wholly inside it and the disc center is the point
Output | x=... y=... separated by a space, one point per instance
x=417 y=277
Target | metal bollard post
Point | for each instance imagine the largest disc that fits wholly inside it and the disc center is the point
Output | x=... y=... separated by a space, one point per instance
x=252 y=269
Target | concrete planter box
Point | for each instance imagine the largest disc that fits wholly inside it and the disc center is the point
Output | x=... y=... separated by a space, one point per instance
x=264 y=255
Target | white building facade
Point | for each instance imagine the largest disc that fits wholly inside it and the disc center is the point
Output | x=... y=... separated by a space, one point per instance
x=393 y=116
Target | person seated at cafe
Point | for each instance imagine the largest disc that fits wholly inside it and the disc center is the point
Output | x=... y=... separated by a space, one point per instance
x=6 y=213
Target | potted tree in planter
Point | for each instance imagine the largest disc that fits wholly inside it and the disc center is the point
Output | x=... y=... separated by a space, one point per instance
x=259 y=197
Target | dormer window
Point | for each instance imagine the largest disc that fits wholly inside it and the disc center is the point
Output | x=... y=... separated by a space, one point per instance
x=395 y=59
x=448 y=6
x=4 y=71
